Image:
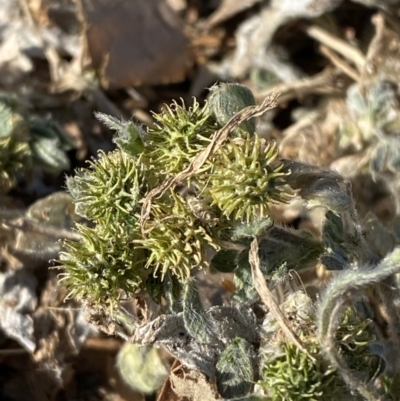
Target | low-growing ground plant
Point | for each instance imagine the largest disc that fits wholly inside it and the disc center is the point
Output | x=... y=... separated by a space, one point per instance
x=198 y=190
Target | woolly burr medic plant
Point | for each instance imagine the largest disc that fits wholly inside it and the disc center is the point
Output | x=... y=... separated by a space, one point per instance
x=197 y=190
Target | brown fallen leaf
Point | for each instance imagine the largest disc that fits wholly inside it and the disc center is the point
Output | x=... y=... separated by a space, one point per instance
x=134 y=42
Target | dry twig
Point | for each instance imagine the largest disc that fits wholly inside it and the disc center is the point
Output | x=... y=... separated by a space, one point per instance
x=347 y=50
x=340 y=63
x=323 y=83
x=267 y=298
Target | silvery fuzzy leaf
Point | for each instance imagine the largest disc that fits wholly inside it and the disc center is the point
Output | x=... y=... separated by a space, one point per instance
x=233 y=321
x=49 y=155
x=304 y=175
x=46 y=221
x=374 y=106
x=245 y=291
x=378 y=236
x=336 y=242
x=128 y=137
x=326 y=195
x=319 y=186
x=378 y=159
x=333 y=229
x=336 y=260
x=17 y=302
x=393 y=157
x=195 y=318
x=56 y=210
x=234 y=369
x=6 y=121
x=251 y=229
x=49 y=144
x=169 y=331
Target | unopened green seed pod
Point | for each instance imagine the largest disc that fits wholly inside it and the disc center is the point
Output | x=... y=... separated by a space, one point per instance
x=226 y=100
x=247 y=178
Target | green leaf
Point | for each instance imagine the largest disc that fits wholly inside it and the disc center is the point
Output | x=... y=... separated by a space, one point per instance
x=338 y=252
x=225 y=261
x=252 y=229
x=6 y=121
x=128 y=135
x=234 y=370
x=226 y=100
x=48 y=153
x=293 y=250
x=245 y=291
x=195 y=318
x=319 y=186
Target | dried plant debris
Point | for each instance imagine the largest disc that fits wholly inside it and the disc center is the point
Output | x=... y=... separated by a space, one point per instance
x=18 y=301
x=255 y=34
x=60 y=331
x=192 y=385
x=33 y=235
x=158 y=47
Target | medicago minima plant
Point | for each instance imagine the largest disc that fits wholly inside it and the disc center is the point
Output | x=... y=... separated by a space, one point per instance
x=197 y=190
